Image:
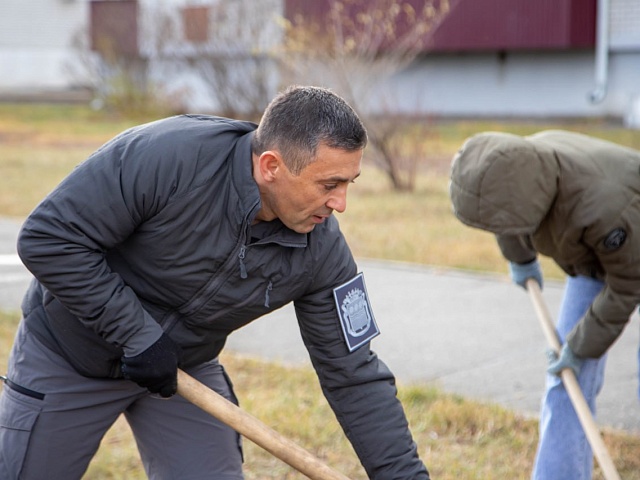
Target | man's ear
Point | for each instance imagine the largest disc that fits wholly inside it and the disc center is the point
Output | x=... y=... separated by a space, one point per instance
x=269 y=164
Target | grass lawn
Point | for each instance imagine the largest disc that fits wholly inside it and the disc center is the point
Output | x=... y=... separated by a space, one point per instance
x=458 y=439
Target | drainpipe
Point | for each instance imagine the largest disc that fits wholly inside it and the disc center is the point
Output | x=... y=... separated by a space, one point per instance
x=602 y=52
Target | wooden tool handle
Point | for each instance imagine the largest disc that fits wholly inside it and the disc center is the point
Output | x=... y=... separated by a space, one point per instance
x=573 y=388
x=253 y=429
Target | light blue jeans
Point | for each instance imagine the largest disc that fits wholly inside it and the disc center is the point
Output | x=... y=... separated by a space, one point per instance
x=564 y=452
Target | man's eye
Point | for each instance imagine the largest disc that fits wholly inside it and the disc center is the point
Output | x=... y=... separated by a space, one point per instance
x=331 y=186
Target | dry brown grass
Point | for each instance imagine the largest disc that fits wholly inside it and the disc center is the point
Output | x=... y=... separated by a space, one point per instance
x=457 y=438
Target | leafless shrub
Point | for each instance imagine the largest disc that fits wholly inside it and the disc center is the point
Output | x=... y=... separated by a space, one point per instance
x=226 y=47
x=353 y=46
x=119 y=83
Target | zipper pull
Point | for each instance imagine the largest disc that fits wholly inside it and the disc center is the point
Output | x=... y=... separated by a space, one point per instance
x=266 y=294
x=243 y=268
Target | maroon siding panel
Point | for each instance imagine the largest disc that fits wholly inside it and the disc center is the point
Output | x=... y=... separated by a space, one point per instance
x=583 y=23
x=315 y=9
x=475 y=25
x=114 y=26
x=516 y=25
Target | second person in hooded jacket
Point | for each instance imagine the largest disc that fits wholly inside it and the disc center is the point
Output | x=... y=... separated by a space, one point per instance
x=576 y=199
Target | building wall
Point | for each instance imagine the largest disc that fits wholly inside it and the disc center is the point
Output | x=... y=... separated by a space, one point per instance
x=35 y=42
x=552 y=84
x=36 y=49
x=532 y=83
x=514 y=25
x=625 y=24
x=220 y=49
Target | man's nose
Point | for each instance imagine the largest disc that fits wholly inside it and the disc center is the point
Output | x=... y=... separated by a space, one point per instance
x=338 y=200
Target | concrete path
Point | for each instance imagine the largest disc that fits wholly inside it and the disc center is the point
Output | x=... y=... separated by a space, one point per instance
x=14 y=277
x=472 y=334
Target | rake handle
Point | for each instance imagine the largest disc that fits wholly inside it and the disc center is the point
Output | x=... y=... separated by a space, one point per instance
x=573 y=387
x=253 y=429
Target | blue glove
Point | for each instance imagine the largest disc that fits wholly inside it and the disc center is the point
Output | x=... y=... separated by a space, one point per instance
x=521 y=272
x=567 y=359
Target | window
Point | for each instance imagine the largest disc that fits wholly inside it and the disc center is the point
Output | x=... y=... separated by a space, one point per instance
x=195 y=24
x=114 y=27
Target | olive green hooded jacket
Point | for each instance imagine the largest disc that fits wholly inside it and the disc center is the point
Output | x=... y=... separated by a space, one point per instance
x=565 y=195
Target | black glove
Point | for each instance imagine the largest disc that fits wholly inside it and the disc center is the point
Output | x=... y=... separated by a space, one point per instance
x=155 y=369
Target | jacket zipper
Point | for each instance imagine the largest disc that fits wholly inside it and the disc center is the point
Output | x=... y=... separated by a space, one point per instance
x=266 y=294
x=243 y=268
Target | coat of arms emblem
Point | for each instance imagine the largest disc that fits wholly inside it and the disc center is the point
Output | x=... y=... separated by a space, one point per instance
x=354 y=310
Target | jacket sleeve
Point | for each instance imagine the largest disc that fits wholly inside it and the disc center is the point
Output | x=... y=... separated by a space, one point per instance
x=64 y=241
x=603 y=323
x=515 y=248
x=613 y=306
x=358 y=385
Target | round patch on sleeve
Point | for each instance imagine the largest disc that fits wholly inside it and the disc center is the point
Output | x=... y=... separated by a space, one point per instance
x=615 y=239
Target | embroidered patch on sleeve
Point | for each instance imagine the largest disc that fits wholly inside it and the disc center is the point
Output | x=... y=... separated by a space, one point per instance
x=615 y=239
x=356 y=317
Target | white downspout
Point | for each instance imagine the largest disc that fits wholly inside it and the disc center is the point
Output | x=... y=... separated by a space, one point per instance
x=602 y=52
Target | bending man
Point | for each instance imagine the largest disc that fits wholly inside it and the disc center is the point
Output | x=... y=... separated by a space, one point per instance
x=156 y=248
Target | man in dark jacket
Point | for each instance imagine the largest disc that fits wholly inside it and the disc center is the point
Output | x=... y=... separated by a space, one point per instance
x=152 y=251
x=573 y=198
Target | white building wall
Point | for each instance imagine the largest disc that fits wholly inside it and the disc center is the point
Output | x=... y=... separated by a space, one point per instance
x=624 y=45
x=624 y=24
x=250 y=28
x=553 y=84
x=36 y=40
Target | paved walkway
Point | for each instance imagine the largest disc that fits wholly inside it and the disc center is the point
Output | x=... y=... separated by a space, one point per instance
x=472 y=334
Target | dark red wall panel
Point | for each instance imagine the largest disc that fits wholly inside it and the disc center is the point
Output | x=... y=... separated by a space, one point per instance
x=475 y=25
x=114 y=26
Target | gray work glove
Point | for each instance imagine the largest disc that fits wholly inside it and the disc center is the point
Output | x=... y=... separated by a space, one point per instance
x=521 y=272
x=567 y=359
x=155 y=369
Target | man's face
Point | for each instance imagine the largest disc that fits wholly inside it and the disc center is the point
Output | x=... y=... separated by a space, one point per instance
x=303 y=201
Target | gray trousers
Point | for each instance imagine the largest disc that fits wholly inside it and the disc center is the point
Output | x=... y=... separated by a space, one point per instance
x=57 y=436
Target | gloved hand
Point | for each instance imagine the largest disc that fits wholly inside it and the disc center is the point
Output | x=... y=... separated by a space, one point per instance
x=155 y=369
x=521 y=272
x=567 y=359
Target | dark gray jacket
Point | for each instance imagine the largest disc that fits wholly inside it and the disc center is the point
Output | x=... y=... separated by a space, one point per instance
x=153 y=232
